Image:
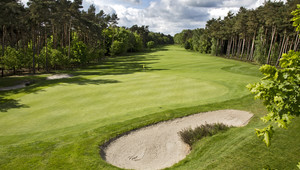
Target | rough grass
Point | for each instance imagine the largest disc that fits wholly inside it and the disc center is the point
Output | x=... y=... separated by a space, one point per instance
x=59 y=124
x=190 y=136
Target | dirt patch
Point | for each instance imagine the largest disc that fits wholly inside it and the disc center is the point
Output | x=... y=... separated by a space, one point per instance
x=159 y=146
x=59 y=76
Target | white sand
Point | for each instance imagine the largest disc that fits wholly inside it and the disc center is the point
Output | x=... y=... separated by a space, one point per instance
x=53 y=77
x=13 y=87
x=159 y=146
x=58 y=76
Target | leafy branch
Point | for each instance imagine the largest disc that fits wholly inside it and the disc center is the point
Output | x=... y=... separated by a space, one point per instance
x=280 y=92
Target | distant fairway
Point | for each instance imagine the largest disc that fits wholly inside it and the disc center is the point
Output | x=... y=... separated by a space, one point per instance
x=60 y=123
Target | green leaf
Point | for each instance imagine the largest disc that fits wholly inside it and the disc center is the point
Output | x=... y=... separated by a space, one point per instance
x=266 y=133
x=266 y=118
x=267 y=138
x=282 y=123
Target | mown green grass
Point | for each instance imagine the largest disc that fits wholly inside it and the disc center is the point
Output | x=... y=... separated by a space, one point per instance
x=59 y=124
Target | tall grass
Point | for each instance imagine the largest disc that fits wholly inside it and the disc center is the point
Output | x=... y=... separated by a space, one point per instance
x=190 y=136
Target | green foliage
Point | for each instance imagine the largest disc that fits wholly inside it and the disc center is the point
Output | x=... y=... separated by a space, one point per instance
x=188 y=44
x=259 y=54
x=138 y=46
x=150 y=44
x=190 y=136
x=214 y=47
x=79 y=53
x=205 y=44
x=296 y=18
x=280 y=92
x=11 y=58
x=116 y=48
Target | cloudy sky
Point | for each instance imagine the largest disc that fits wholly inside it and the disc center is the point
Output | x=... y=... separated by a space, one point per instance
x=169 y=16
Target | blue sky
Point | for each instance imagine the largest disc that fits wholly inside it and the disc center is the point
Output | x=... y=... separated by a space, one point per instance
x=169 y=16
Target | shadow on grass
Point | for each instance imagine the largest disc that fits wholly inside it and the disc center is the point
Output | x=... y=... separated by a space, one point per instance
x=120 y=65
x=6 y=104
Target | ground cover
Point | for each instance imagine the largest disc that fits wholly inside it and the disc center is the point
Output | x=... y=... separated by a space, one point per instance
x=61 y=123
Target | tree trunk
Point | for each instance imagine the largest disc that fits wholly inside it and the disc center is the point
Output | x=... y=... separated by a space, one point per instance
x=242 y=53
x=265 y=40
x=46 y=55
x=286 y=45
x=248 y=49
x=3 y=48
x=273 y=48
x=38 y=46
x=229 y=47
x=296 y=42
x=3 y=40
x=252 y=47
x=69 y=41
x=238 y=48
x=271 y=45
x=233 y=47
x=33 y=52
x=281 y=49
x=54 y=37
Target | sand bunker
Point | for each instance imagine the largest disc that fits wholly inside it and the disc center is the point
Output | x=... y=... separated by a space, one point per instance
x=159 y=146
x=59 y=76
x=14 y=87
x=53 y=77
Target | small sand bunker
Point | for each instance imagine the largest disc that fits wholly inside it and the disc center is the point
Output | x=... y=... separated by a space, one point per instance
x=59 y=76
x=159 y=146
x=14 y=87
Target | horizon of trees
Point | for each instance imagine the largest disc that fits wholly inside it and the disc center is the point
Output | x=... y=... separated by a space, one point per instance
x=261 y=35
x=58 y=34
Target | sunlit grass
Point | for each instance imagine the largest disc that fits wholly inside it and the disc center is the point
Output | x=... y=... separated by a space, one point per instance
x=61 y=123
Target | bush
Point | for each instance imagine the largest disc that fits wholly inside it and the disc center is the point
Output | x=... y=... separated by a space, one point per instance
x=79 y=53
x=188 y=44
x=190 y=136
x=150 y=44
x=116 y=48
x=11 y=58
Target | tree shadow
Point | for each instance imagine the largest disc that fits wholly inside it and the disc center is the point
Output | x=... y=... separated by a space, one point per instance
x=120 y=65
x=6 y=104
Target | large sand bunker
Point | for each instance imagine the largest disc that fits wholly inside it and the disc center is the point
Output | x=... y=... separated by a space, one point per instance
x=159 y=146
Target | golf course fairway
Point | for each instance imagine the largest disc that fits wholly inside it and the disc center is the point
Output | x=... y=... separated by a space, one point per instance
x=60 y=124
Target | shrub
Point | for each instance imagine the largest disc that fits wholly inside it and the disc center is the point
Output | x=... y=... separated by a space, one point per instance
x=190 y=136
x=150 y=44
x=116 y=48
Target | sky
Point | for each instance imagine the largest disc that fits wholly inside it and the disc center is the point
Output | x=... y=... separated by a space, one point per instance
x=169 y=16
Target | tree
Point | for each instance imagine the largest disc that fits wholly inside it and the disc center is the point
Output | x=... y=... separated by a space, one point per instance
x=280 y=90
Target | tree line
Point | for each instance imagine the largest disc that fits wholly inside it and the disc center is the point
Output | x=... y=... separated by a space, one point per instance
x=261 y=35
x=58 y=34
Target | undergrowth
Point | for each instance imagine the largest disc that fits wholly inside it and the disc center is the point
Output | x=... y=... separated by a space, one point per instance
x=190 y=136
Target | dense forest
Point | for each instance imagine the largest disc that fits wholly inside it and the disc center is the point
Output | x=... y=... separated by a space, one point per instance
x=261 y=35
x=58 y=34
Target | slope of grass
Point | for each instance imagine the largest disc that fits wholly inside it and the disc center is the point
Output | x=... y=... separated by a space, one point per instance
x=61 y=123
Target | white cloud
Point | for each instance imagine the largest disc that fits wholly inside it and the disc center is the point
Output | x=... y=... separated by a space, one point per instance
x=134 y=1
x=169 y=16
